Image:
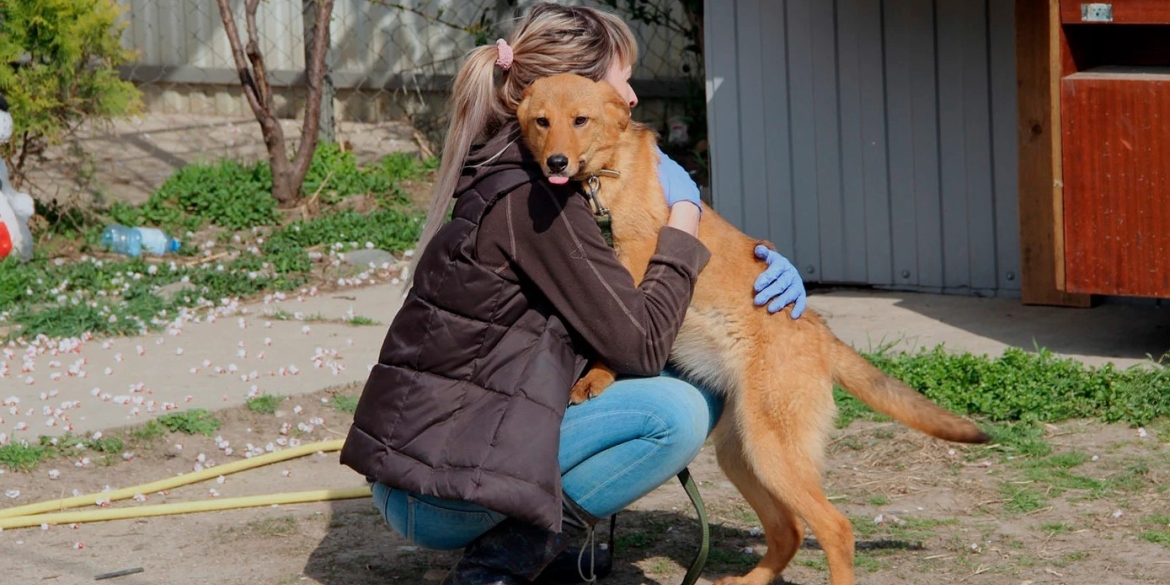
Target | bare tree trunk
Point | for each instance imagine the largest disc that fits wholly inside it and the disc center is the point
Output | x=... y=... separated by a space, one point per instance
x=327 y=132
x=287 y=176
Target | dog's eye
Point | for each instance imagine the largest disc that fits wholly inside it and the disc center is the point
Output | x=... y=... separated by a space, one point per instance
x=542 y=122
x=580 y=121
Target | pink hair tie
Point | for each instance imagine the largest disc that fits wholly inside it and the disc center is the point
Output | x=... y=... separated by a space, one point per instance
x=504 y=61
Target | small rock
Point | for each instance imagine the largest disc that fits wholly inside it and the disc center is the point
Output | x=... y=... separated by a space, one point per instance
x=173 y=289
x=364 y=258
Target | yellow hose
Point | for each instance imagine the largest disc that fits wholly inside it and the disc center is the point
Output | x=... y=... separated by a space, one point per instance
x=184 y=507
x=21 y=516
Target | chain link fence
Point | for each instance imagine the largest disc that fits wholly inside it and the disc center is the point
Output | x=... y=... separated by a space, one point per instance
x=391 y=64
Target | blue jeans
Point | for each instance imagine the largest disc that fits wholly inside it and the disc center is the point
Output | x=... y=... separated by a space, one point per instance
x=615 y=448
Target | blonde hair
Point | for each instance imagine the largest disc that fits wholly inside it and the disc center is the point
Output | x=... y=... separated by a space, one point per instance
x=549 y=40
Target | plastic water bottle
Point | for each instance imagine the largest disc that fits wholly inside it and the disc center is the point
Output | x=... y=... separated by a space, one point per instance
x=133 y=241
x=156 y=241
x=122 y=240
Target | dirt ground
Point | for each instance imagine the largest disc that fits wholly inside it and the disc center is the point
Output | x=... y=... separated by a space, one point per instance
x=924 y=512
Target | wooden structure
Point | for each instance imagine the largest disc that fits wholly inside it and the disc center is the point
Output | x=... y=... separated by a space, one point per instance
x=1094 y=103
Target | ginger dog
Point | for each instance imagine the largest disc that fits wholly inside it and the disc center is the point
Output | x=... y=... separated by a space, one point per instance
x=776 y=373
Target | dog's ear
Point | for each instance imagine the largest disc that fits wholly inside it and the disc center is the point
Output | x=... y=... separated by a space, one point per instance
x=522 y=107
x=617 y=110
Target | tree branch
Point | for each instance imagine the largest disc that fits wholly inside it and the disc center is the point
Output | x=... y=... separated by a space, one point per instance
x=256 y=57
x=251 y=92
x=315 y=82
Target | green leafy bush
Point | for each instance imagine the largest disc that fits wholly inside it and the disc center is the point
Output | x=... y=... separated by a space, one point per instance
x=59 y=64
x=227 y=193
x=1026 y=386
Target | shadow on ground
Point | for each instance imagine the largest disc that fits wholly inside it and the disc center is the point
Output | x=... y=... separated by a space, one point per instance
x=360 y=549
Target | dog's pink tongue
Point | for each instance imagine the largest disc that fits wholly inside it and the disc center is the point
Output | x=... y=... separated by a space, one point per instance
x=558 y=180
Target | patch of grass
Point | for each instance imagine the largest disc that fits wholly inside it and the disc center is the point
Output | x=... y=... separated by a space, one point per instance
x=24 y=456
x=120 y=296
x=1070 y=558
x=1160 y=533
x=660 y=566
x=817 y=563
x=344 y=403
x=1018 y=440
x=1136 y=474
x=194 y=421
x=1055 y=472
x=148 y=432
x=906 y=529
x=361 y=321
x=1032 y=386
x=878 y=500
x=867 y=561
x=21 y=456
x=1056 y=528
x=1021 y=499
x=264 y=404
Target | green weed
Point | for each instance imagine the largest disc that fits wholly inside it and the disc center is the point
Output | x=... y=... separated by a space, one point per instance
x=1032 y=386
x=1160 y=533
x=264 y=404
x=1021 y=499
x=1056 y=528
x=345 y=403
x=24 y=456
x=21 y=456
x=194 y=421
x=148 y=432
x=360 y=321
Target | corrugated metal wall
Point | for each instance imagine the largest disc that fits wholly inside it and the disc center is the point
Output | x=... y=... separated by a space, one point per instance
x=873 y=141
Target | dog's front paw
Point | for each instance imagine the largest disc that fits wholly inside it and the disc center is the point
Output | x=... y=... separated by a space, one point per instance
x=593 y=383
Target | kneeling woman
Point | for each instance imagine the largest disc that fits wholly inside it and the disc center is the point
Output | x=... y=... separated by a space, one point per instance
x=463 y=425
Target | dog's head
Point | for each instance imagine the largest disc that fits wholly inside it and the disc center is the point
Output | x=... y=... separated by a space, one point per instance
x=571 y=124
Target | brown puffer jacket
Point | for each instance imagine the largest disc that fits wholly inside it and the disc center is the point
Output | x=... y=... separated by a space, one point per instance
x=472 y=381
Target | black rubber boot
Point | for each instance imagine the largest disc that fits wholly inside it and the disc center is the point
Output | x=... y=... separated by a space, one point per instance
x=511 y=553
x=585 y=559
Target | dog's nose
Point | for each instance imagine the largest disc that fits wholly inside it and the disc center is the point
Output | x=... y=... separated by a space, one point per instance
x=557 y=162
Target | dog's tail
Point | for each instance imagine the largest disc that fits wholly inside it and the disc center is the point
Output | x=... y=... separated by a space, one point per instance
x=895 y=399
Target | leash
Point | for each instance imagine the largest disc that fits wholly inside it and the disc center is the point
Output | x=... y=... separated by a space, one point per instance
x=604 y=221
x=600 y=211
x=692 y=489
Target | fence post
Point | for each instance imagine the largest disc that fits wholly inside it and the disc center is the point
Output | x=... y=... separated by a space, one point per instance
x=326 y=131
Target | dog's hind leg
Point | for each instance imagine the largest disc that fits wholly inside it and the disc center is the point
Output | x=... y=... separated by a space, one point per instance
x=784 y=435
x=782 y=531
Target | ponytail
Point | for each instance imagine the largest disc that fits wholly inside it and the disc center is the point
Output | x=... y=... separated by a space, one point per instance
x=473 y=107
x=550 y=39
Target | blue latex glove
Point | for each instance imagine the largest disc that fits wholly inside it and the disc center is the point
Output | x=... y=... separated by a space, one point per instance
x=780 y=284
x=676 y=182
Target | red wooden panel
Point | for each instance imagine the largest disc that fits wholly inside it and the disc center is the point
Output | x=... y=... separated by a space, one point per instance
x=1116 y=159
x=1124 y=11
